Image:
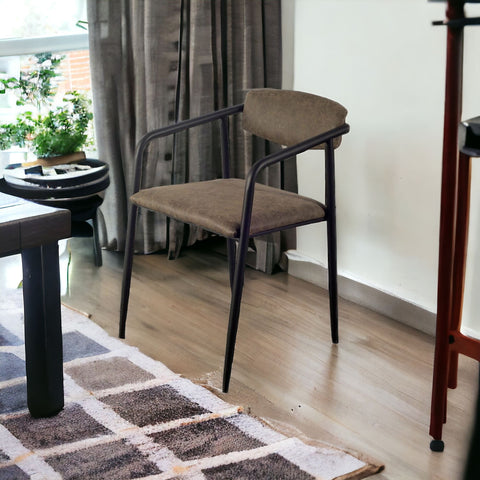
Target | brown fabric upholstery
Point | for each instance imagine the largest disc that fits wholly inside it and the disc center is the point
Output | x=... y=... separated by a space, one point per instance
x=287 y=117
x=216 y=205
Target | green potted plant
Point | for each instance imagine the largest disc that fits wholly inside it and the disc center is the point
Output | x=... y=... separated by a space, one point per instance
x=50 y=132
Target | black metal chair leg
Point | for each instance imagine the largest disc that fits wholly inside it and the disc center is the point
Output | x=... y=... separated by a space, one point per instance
x=331 y=238
x=127 y=269
x=234 y=312
x=97 y=249
x=231 y=252
x=332 y=279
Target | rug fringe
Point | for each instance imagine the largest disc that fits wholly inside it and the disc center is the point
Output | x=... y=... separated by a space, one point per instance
x=81 y=312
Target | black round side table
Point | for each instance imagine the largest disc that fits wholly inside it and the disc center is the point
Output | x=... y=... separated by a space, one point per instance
x=79 y=188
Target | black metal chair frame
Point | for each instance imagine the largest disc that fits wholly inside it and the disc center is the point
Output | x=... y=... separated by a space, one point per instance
x=237 y=254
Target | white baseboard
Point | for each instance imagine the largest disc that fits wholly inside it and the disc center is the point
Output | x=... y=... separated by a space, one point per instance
x=393 y=307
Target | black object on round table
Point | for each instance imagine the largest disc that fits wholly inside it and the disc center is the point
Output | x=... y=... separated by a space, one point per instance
x=81 y=194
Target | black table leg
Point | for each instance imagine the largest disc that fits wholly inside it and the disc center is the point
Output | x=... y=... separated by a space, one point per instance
x=43 y=330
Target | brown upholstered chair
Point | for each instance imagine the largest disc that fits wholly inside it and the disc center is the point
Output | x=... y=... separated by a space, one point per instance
x=239 y=209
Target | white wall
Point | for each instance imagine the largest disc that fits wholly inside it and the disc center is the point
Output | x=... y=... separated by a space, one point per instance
x=385 y=62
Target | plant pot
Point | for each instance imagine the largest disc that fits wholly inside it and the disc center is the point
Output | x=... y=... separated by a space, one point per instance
x=60 y=159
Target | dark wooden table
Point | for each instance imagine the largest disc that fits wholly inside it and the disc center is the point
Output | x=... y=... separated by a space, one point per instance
x=33 y=231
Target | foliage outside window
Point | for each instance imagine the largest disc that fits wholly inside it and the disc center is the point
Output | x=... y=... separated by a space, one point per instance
x=46 y=129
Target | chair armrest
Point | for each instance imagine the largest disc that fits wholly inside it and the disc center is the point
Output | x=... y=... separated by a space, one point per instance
x=289 y=152
x=286 y=153
x=172 y=129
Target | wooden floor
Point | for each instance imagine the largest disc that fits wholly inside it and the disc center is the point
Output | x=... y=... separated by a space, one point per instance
x=370 y=394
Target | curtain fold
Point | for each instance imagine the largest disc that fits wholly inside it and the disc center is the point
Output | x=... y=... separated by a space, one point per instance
x=156 y=62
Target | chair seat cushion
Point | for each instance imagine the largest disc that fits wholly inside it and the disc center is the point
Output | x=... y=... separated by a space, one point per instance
x=216 y=206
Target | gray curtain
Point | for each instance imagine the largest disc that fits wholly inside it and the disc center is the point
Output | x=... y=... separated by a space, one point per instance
x=156 y=62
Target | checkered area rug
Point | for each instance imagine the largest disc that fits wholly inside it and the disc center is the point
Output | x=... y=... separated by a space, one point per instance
x=127 y=416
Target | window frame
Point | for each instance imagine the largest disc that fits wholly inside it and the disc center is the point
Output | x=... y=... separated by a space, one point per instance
x=28 y=46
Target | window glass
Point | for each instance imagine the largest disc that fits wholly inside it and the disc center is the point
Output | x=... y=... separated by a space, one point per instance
x=45 y=18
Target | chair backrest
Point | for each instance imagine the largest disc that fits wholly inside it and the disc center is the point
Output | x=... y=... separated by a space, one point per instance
x=288 y=117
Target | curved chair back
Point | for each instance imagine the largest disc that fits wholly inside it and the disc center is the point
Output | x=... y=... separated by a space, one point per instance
x=288 y=117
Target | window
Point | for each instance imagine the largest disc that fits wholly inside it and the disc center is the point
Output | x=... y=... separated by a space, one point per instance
x=41 y=18
x=33 y=27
